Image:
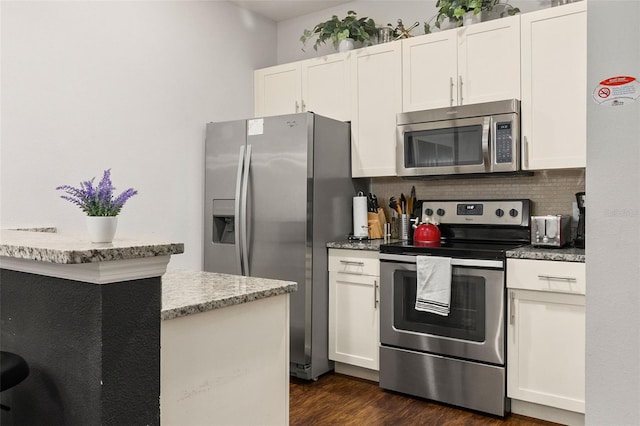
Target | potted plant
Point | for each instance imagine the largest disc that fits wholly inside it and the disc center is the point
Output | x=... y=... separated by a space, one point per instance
x=337 y=30
x=456 y=10
x=100 y=205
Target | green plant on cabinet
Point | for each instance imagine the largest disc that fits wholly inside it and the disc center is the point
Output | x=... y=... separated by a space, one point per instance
x=454 y=10
x=336 y=30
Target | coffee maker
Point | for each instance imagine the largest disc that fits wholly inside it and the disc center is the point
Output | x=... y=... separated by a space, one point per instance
x=580 y=235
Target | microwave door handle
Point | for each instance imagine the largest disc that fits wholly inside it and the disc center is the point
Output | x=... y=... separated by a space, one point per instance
x=486 y=134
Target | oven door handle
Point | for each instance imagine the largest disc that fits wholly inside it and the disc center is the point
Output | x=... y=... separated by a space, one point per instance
x=481 y=263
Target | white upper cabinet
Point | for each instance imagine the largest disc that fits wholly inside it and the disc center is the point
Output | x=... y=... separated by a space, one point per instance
x=376 y=82
x=554 y=87
x=320 y=85
x=277 y=90
x=489 y=61
x=430 y=71
x=478 y=63
x=326 y=86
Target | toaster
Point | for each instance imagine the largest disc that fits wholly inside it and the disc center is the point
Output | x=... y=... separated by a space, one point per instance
x=551 y=230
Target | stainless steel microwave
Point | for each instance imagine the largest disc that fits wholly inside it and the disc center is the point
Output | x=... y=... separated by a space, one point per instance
x=468 y=139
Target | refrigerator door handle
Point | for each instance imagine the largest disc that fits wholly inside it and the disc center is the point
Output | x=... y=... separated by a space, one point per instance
x=238 y=207
x=243 y=224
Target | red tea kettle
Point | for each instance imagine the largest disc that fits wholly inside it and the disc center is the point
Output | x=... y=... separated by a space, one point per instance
x=426 y=232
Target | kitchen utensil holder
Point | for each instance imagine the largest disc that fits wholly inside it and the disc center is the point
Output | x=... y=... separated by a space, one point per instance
x=405 y=226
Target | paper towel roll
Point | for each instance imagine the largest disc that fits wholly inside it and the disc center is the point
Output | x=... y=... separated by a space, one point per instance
x=360 y=223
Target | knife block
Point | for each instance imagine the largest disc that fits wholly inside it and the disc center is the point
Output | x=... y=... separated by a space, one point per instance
x=375 y=227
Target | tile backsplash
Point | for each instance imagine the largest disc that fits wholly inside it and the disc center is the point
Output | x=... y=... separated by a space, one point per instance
x=550 y=191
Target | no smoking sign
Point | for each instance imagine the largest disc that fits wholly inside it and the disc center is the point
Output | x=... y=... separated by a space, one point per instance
x=615 y=91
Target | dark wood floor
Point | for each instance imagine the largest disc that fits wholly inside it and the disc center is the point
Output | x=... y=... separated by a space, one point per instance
x=336 y=399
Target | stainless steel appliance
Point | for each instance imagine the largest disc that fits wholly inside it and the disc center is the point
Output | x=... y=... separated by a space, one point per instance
x=468 y=139
x=550 y=230
x=459 y=358
x=581 y=199
x=277 y=189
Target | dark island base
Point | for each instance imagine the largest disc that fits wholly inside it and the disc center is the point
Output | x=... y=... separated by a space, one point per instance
x=93 y=350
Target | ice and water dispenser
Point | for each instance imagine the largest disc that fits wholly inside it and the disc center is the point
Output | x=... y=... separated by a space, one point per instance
x=224 y=221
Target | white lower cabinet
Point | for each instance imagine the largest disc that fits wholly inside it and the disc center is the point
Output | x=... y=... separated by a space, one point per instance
x=354 y=278
x=546 y=334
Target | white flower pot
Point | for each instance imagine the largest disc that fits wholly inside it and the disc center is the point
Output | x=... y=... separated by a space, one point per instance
x=469 y=18
x=345 y=45
x=102 y=228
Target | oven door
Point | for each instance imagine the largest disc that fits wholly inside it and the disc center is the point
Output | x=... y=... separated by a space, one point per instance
x=473 y=330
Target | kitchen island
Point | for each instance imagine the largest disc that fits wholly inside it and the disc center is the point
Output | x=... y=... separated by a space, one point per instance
x=86 y=318
x=224 y=349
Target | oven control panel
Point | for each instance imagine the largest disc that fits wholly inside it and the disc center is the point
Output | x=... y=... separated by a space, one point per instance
x=484 y=212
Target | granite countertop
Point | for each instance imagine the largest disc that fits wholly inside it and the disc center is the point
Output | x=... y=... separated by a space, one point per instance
x=64 y=249
x=367 y=245
x=569 y=254
x=190 y=292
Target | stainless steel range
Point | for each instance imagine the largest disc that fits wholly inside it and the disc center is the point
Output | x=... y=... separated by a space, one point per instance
x=457 y=358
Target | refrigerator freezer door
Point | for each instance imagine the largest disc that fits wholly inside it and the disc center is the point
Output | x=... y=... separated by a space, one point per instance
x=224 y=157
x=279 y=214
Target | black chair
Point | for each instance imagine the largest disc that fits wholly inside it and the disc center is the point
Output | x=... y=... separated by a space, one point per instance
x=14 y=370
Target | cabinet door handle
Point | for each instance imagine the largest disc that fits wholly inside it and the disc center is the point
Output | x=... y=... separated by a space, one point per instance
x=526 y=152
x=297 y=107
x=512 y=308
x=352 y=262
x=375 y=294
x=460 y=89
x=451 y=91
x=558 y=278
x=304 y=107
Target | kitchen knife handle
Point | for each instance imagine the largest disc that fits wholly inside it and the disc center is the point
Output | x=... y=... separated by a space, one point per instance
x=243 y=224
x=238 y=209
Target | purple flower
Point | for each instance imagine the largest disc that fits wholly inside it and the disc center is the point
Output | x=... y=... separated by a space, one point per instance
x=99 y=200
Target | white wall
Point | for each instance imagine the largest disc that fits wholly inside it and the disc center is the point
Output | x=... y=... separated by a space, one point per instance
x=124 y=85
x=613 y=221
x=381 y=11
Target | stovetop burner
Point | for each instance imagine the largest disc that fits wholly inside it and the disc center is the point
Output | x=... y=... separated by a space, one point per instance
x=476 y=229
x=458 y=249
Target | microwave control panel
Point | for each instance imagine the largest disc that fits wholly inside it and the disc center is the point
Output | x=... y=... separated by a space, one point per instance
x=504 y=142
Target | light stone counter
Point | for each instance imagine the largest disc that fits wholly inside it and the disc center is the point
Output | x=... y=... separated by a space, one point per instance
x=367 y=245
x=568 y=254
x=53 y=247
x=190 y=292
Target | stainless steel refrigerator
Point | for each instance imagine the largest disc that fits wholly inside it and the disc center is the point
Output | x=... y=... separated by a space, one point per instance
x=277 y=189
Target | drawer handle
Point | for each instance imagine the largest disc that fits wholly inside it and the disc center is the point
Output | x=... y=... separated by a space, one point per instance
x=557 y=278
x=350 y=273
x=352 y=262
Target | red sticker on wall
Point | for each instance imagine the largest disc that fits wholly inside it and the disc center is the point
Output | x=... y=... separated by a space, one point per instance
x=615 y=91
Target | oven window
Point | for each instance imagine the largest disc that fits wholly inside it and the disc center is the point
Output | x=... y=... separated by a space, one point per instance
x=457 y=146
x=466 y=319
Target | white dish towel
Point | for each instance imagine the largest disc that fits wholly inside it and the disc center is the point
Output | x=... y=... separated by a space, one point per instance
x=433 y=284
